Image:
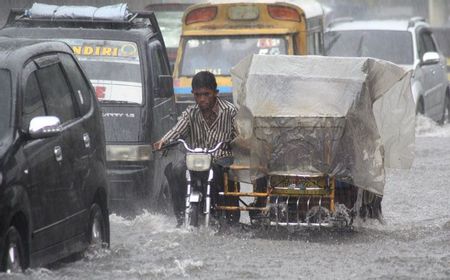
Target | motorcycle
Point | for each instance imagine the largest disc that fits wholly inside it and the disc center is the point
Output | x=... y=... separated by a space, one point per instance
x=279 y=199
x=199 y=176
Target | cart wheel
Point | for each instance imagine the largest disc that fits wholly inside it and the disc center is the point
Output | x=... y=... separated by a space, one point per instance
x=193 y=215
x=13 y=258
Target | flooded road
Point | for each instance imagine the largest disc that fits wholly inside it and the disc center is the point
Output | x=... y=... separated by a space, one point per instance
x=413 y=244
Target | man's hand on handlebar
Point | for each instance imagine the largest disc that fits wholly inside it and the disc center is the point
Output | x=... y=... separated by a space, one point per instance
x=158 y=145
x=164 y=146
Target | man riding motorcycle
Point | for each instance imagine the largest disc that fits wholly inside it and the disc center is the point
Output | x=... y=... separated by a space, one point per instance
x=210 y=121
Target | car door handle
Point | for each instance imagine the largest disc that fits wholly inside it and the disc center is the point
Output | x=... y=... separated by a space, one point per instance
x=86 y=140
x=58 y=153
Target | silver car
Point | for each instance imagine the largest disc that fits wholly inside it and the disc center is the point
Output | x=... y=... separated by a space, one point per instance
x=405 y=42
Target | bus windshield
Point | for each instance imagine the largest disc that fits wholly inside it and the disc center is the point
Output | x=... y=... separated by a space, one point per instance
x=219 y=54
x=113 y=68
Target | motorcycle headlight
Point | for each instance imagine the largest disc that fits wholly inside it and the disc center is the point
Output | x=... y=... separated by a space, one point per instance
x=198 y=162
x=128 y=152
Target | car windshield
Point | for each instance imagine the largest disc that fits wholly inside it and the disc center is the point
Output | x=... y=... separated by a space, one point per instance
x=219 y=54
x=113 y=68
x=394 y=46
x=5 y=104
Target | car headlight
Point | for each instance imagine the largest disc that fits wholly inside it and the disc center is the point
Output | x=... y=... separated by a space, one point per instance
x=198 y=162
x=128 y=152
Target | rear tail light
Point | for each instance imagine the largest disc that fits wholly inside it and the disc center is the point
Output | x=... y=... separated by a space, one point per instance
x=283 y=13
x=100 y=92
x=201 y=15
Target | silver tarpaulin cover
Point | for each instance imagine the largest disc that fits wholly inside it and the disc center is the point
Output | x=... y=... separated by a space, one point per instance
x=118 y=12
x=308 y=115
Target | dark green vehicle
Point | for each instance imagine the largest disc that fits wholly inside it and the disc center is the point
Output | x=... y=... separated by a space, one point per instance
x=124 y=55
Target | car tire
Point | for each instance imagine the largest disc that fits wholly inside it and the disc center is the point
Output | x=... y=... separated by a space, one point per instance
x=97 y=227
x=13 y=259
x=420 y=108
x=445 y=114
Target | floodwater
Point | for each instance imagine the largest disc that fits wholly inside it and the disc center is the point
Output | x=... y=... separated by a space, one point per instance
x=413 y=244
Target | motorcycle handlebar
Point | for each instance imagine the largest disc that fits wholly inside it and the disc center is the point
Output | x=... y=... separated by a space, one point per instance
x=176 y=142
x=216 y=147
x=169 y=145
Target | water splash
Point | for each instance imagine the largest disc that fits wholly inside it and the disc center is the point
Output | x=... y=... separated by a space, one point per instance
x=157 y=223
x=426 y=127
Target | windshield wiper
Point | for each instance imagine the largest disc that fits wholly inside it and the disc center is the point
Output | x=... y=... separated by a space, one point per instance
x=118 y=102
x=333 y=41
x=360 y=46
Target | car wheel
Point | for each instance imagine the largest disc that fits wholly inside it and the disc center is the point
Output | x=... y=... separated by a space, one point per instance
x=13 y=258
x=446 y=116
x=420 y=108
x=446 y=109
x=97 y=227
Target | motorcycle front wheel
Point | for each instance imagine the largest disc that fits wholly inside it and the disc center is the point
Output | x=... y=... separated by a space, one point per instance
x=193 y=214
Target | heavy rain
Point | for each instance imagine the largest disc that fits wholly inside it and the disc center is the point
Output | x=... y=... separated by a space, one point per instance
x=410 y=241
x=414 y=243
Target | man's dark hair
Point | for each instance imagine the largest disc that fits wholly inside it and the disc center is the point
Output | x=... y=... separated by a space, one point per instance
x=204 y=79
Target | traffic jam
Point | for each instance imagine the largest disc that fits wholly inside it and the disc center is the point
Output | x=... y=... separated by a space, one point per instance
x=247 y=139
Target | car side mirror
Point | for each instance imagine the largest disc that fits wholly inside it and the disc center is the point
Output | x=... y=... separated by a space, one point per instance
x=44 y=127
x=165 y=89
x=430 y=58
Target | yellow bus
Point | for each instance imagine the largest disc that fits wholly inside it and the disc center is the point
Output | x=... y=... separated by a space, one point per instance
x=216 y=35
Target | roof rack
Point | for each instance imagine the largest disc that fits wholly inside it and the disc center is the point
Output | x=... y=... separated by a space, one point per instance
x=414 y=20
x=79 y=16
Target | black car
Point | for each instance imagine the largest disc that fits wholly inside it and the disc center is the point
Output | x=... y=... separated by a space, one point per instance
x=53 y=186
x=125 y=58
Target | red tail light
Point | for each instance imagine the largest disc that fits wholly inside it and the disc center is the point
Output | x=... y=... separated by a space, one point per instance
x=100 y=92
x=283 y=13
x=201 y=15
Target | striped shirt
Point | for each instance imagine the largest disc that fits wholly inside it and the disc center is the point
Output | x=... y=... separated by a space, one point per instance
x=193 y=128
